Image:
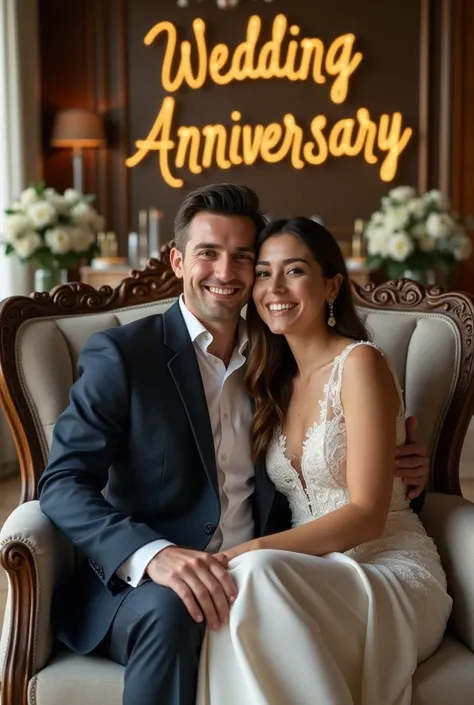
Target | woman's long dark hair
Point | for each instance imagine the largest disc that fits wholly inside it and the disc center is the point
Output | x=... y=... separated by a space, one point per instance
x=271 y=365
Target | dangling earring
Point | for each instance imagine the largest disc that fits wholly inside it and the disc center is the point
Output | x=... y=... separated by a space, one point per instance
x=331 y=319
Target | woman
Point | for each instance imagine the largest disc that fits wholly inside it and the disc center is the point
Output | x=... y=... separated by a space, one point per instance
x=339 y=609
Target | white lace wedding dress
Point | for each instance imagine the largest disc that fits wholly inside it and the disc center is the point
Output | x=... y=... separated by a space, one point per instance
x=341 y=629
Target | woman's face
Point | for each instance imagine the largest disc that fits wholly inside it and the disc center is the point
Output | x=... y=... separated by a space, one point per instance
x=290 y=292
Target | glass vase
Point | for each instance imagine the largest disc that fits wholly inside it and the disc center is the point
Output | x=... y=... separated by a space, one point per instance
x=46 y=278
x=425 y=277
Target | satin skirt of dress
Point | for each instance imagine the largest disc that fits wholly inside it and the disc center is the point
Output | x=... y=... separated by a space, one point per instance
x=307 y=629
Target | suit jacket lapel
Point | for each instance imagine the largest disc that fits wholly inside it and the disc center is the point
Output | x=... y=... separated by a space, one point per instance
x=185 y=372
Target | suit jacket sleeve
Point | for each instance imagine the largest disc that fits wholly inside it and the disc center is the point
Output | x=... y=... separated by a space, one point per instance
x=86 y=439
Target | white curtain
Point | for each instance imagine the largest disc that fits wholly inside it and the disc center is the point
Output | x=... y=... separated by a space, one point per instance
x=20 y=162
x=19 y=146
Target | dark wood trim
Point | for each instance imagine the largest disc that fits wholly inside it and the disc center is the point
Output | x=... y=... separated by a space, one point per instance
x=90 y=156
x=405 y=295
x=462 y=132
x=459 y=104
x=17 y=560
x=103 y=104
x=124 y=184
x=445 y=96
x=424 y=96
x=152 y=284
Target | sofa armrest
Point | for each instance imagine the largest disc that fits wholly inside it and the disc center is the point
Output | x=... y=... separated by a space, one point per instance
x=449 y=520
x=35 y=556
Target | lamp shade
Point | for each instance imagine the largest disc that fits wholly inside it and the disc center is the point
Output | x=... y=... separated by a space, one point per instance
x=78 y=128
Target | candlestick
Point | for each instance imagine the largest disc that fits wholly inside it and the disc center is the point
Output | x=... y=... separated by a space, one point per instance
x=142 y=237
x=153 y=233
x=133 y=254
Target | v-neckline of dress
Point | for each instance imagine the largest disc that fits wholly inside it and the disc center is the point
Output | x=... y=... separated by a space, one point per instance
x=283 y=438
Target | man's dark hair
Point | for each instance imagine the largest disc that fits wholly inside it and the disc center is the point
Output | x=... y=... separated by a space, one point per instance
x=222 y=199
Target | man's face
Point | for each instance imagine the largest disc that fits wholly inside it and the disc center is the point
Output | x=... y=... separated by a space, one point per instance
x=218 y=266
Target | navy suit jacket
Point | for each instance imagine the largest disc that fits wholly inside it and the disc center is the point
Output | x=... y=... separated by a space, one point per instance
x=137 y=426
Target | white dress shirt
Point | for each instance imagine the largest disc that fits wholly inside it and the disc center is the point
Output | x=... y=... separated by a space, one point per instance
x=230 y=415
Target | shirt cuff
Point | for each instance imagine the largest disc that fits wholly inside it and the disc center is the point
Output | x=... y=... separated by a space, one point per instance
x=133 y=569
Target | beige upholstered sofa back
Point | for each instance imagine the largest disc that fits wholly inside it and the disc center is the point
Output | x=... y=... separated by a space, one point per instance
x=424 y=349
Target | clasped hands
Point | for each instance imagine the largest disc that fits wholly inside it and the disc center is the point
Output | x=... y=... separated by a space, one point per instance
x=202 y=580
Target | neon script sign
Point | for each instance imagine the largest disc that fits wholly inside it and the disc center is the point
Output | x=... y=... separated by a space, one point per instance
x=302 y=59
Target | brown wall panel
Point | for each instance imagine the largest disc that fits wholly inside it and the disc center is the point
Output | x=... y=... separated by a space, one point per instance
x=463 y=127
x=93 y=56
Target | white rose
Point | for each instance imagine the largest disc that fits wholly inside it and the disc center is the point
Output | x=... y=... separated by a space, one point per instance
x=57 y=201
x=399 y=247
x=402 y=194
x=377 y=218
x=437 y=198
x=81 y=239
x=28 y=244
x=440 y=225
x=377 y=241
x=418 y=231
x=417 y=207
x=426 y=244
x=42 y=214
x=83 y=214
x=71 y=195
x=462 y=249
x=59 y=240
x=28 y=196
x=396 y=218
x=15 y=225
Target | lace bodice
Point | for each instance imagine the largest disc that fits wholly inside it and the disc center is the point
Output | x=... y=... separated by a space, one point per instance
x=322 y=486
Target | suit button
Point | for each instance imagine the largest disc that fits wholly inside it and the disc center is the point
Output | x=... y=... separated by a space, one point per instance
x=209 y=528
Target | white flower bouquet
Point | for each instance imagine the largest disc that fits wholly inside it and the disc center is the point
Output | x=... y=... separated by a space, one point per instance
x=52 y=230
x=415 y=233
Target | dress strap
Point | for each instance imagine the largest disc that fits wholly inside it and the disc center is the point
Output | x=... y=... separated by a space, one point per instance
x=333 y=394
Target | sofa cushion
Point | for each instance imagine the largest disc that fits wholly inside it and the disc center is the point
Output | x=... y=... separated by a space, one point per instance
x=77 y=680
x=447 y=678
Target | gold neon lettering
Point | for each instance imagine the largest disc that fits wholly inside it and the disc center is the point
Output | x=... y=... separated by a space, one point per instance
x=251 y=145
x=309 y=47
x=189 y=144
x=202 y=148
x=339 y=63
x=161 y=126
x=392 y=140
x=217 y=61
x=235 y=136
x=370 y=134
x=317 y=126
x=184 y=72
x=244 y=55
x=215 y=144
x=298 y=58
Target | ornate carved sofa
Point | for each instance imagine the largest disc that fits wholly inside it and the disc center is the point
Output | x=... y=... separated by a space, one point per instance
x=430 y=340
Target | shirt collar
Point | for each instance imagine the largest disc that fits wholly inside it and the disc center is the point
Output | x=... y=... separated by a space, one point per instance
x=202 y=337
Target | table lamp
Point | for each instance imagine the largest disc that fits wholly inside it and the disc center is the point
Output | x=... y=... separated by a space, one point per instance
x=78 y=129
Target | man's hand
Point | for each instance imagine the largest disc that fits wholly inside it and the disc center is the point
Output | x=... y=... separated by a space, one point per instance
x=199 y=579
x=412 y=462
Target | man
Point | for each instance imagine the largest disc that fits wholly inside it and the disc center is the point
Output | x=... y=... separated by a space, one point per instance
x=160 y=418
